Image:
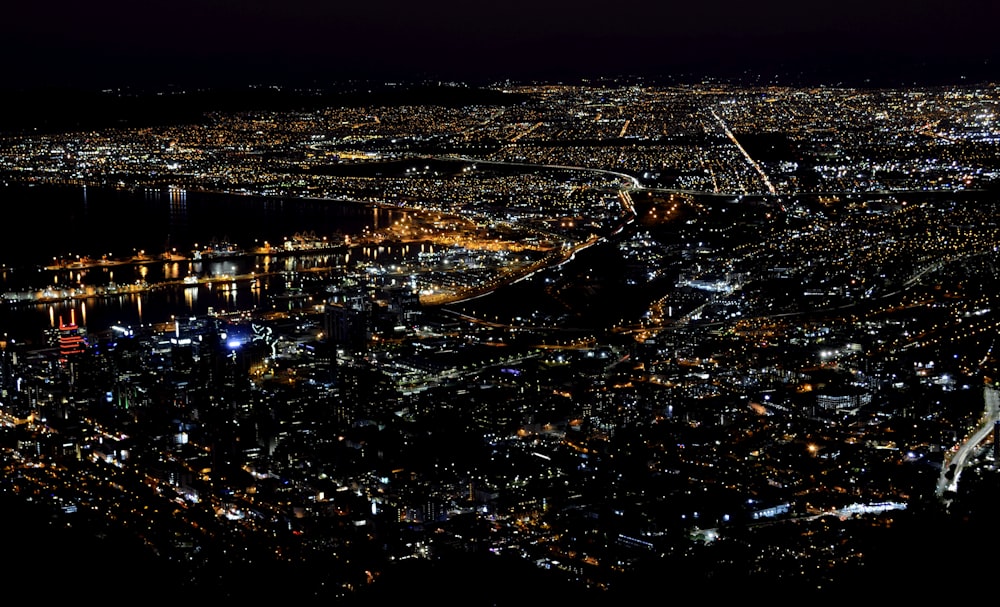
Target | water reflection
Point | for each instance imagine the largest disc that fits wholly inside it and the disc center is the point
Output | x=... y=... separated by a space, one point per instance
x=104 y=292
x=172 y=271
x=190 y=297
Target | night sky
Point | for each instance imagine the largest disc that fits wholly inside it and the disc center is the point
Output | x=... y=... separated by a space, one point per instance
x=114 y=42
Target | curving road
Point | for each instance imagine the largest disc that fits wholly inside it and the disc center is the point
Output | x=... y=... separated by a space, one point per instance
x=991 y=397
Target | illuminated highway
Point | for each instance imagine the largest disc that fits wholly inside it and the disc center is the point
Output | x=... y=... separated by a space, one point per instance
x=949 y=482
x=751 y=161
x=634 y=182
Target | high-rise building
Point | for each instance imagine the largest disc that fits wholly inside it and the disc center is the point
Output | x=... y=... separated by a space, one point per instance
x=71 y=338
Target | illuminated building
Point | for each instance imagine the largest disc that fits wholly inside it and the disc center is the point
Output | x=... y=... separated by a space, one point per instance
x=71 y=340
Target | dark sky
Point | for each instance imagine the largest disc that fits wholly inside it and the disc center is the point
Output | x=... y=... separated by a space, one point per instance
x=186 y=41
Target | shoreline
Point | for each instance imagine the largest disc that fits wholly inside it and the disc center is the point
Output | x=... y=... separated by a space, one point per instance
x=87 y=263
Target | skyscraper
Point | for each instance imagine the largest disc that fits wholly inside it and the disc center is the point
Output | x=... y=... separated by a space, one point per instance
x=71 y=338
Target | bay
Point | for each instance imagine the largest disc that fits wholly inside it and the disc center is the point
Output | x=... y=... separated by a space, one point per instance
x=48 y=226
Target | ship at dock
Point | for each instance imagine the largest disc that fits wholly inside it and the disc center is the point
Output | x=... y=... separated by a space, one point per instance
x=307 y=242
x=218 y=250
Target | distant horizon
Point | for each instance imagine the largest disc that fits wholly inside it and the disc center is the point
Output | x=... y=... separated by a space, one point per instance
x=219 y=43
x=98 y=104
x=848 y=71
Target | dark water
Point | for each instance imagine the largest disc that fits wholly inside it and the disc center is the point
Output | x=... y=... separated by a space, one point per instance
x=42 y=223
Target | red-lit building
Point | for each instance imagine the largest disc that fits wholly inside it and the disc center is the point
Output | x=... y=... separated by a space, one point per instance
x=71 y=340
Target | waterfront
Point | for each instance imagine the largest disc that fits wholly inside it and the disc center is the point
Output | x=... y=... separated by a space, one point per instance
x=282 y=244
x=156 y=292
x=148 y=238
x=47 y=222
